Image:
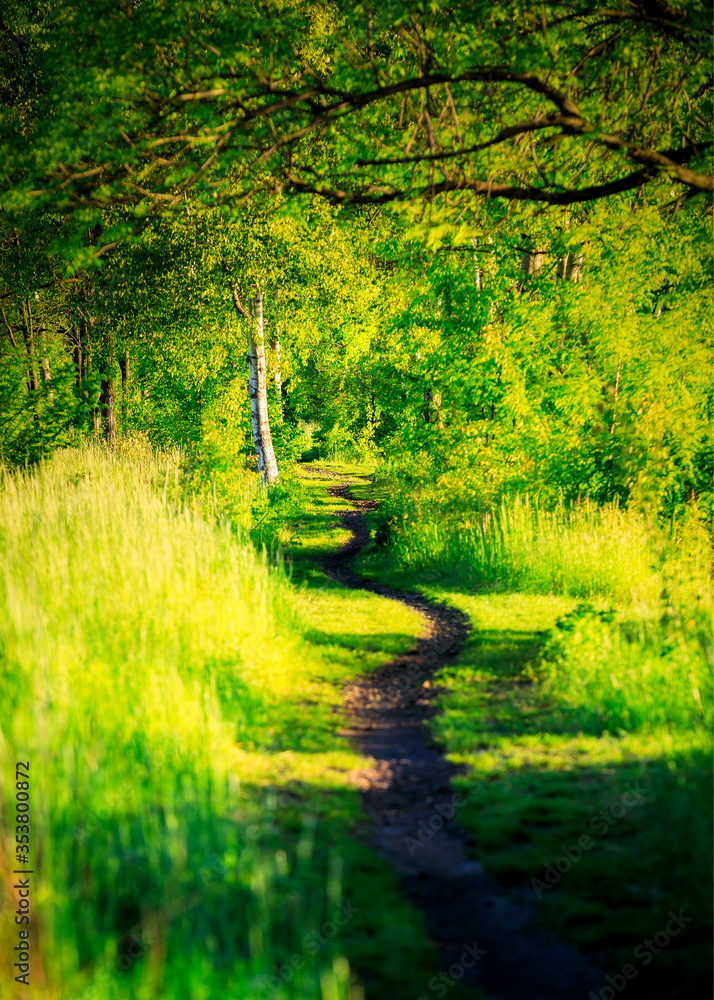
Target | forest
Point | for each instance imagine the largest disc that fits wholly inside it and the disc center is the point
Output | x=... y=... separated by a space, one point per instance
x=355 y=499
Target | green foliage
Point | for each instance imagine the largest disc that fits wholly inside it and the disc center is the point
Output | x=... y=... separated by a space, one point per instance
x=594 y=388
x=273 y=509
x=363 y=103
x=597 y=387
x=36 y=421
x=630 y=676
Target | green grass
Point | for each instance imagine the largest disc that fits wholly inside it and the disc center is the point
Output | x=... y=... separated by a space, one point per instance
x=194 y=809
x=171 y=664
x=586 y=674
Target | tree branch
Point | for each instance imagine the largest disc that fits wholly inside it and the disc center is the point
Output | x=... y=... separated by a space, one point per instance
x=237 y=304
x=8 y=327
x=487 y=189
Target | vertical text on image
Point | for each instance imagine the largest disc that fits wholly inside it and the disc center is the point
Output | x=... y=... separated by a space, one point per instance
x=21 y=950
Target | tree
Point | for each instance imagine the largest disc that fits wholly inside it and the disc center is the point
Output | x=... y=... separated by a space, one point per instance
x=567 y=138
x=258 y=386
x=469 y=100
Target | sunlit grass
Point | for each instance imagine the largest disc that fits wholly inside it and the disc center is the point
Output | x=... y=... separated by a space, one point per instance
x=540 y=766
x=165 y=681
x=637 y=651
x=587 y=670
x=582 y=550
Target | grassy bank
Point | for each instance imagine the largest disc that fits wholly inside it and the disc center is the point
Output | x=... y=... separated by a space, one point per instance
x=192 y=804
x=580 y=710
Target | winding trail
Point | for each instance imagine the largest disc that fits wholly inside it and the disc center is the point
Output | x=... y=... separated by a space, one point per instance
x=408 y=797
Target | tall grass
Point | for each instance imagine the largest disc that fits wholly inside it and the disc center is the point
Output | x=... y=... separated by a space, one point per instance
x=583 y=550
x=644 y=664
x=305 y=438
x=620 y=675
x=588 y=667
x=134 y=633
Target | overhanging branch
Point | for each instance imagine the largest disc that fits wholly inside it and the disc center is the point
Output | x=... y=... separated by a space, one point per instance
x=486 y=189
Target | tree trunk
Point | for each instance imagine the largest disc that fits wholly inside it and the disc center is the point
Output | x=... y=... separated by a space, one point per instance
x=77 y=354
x=437 y=407
x=427 y=406
x=106 y=401
x=82 y=338
x=569 y=267
x=432 y=402
x=532 y=262
x=478 y=277
x=8 y=326
x=258 y=393
x=574 y=268
x=45 y=373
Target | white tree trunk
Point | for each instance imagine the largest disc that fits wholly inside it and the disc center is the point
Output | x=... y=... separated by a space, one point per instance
x=478 y=277
x=569 y=267
x=257 y=391
x=531 y=262
x=45 y=373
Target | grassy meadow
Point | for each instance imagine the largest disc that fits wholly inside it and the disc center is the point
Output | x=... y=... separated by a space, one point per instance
x=192 y=804
x=580 y=707
x=172 y=665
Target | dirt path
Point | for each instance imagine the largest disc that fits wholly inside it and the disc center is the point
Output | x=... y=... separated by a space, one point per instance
x=409 y=799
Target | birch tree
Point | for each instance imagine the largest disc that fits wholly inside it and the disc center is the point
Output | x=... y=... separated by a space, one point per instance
x=258 y=385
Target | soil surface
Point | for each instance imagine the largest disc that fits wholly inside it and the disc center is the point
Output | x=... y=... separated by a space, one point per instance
x=408 y=797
